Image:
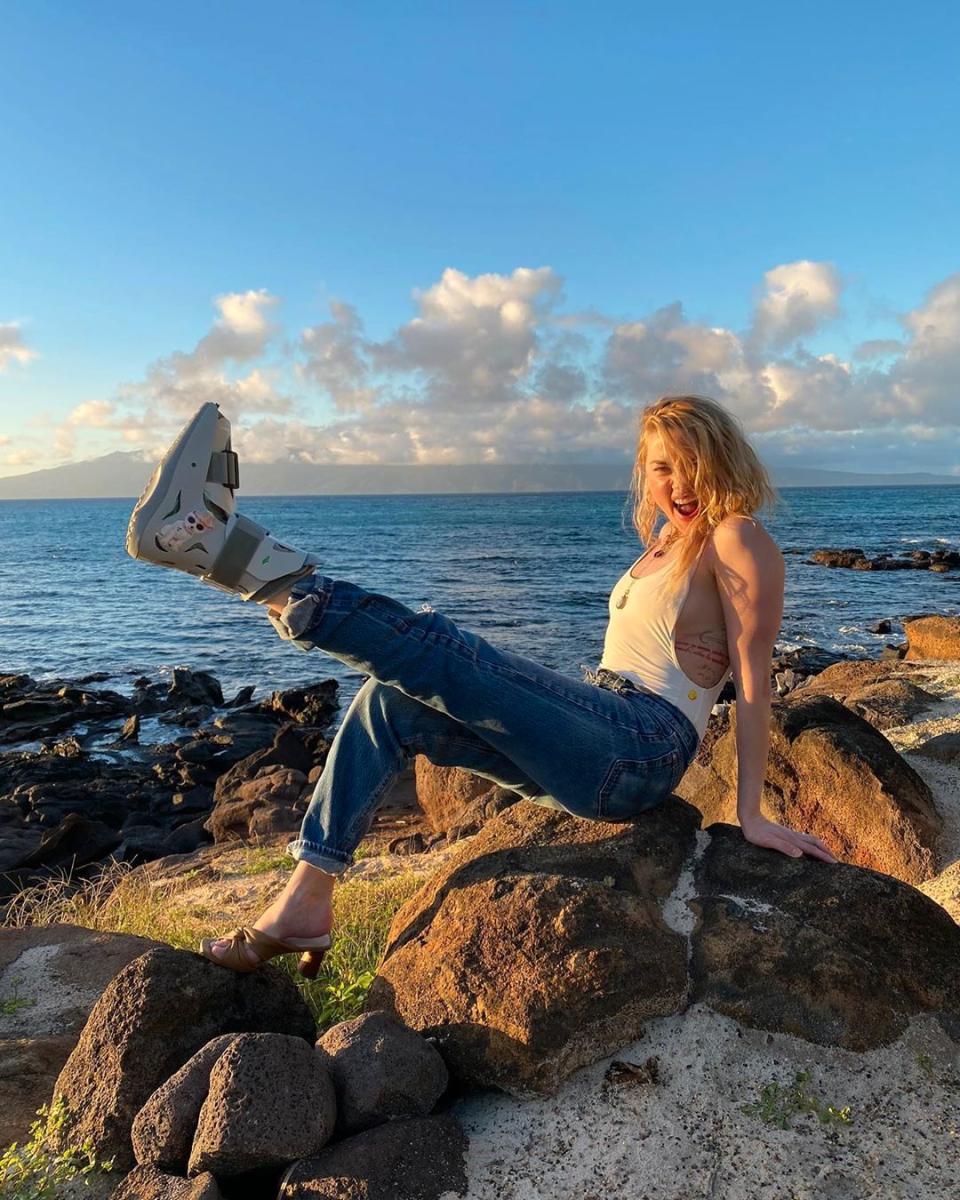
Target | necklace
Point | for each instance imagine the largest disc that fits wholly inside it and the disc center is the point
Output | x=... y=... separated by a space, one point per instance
x=656 y=554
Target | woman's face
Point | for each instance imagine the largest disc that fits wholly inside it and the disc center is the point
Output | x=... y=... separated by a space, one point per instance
x=666 y=485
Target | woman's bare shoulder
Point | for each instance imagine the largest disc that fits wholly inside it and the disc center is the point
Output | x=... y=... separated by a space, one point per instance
x=739 y=534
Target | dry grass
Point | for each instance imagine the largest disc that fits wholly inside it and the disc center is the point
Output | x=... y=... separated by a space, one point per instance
x=120 y=900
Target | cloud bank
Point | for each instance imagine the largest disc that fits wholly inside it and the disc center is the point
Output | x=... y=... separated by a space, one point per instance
x=490 y=368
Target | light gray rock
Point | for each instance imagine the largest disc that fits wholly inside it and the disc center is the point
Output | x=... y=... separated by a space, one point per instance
x=382 y=1070
x=270 y=1102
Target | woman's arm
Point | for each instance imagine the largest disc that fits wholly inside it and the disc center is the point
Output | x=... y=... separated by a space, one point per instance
x=749 y=571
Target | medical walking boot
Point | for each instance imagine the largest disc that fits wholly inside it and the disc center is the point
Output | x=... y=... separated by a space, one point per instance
x=186 y=518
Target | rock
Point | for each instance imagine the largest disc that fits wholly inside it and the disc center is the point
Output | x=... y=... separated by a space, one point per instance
x=243 y=696
x=288 y=749
x=381 y=1070
x=933 y=637
x=804 y=660
x=445 y=792
x=837 y=558
x=262 y=807
x=73 y=843
x=880 y=627
x=945 y=890
x=944 y=748
x=841 y=678
x=155 y=1015
x=131 y=729
x=196 y=687
x=314 y=705
x=540 y=945
x=270 y=1102
x=50 y=977
x=147 y=1183
x=163 y=1129
x=805 y=947
x=890 y=703
x=420 y=1159
x=832 y=774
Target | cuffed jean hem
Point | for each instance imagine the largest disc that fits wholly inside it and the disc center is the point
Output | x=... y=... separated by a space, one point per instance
x=333 y=862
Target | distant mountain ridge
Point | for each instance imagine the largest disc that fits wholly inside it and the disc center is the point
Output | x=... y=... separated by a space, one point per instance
x=124 y=474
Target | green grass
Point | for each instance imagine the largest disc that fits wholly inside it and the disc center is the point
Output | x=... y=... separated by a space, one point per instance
x=777 y=1104
x=34 y=1171
x=10 y=1005
x=118 y=901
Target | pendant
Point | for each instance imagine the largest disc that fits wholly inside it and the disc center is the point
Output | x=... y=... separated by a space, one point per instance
x=623 y=599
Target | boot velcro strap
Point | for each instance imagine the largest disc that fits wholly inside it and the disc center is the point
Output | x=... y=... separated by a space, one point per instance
x=240 y=546
x=224 y=468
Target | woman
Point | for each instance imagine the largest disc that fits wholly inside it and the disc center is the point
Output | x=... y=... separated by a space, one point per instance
x=703 y=602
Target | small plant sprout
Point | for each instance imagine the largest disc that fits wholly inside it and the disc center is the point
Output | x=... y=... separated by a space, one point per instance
x=777 y=1104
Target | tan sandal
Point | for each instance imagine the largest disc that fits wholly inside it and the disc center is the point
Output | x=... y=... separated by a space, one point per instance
x=266 y=947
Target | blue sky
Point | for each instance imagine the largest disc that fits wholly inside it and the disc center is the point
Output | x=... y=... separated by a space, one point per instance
x=503 y=202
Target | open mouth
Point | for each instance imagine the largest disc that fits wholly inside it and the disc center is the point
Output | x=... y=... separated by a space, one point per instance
x=688 y=508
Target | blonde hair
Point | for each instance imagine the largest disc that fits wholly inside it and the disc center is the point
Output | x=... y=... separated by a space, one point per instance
x=709 y=445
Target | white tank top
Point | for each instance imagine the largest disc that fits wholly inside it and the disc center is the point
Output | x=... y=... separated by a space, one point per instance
x=639 y=642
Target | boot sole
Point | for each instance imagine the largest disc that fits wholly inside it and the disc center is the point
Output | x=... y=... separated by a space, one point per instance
x=177 y=485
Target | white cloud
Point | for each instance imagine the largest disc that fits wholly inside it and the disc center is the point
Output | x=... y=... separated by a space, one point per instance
x=489 y=368
x=13 y=349
x=799 y=298
x=147 y=412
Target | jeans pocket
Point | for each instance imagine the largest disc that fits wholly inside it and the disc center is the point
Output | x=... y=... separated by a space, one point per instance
x=633 y=786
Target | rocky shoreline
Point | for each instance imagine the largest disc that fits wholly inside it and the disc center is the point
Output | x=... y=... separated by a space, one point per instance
x=623 y=989
x=89 y=774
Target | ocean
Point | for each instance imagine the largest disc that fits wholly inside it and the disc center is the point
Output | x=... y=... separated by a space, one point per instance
x=530 y=572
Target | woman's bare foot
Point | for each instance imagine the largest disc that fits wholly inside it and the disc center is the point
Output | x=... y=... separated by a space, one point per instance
x=304 y=909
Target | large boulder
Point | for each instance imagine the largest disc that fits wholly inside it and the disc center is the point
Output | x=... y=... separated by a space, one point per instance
x=835 y=955
x=419 y=1159
x=546 y=943
x=270 y=1102
x=50 y=978
x=883 y=693
x=163 y=1130
x=263 y=793
x=933 y=637
x=830 y=773
x=445 y=793
x=381 y=1071
x=261 y=807
x=541 y=945
x=155 y=1015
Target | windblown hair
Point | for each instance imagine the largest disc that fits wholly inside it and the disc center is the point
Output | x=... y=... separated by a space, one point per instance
x=709 y=445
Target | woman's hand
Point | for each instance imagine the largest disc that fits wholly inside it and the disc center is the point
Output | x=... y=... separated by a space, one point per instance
x=762 y=832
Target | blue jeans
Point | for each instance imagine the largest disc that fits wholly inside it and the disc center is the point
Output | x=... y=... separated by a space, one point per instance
x=599 y=750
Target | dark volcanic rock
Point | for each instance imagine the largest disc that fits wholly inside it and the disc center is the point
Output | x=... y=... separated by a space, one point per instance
x=540 y=946
x=314 y=705
x=163 y=1129
x=382 y=1070
x=147 y=1183
x=270 y=1102
x=196 y=687
x=157 y=1013
x=805 y=947
x=832 y=774
x=420 y=1159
